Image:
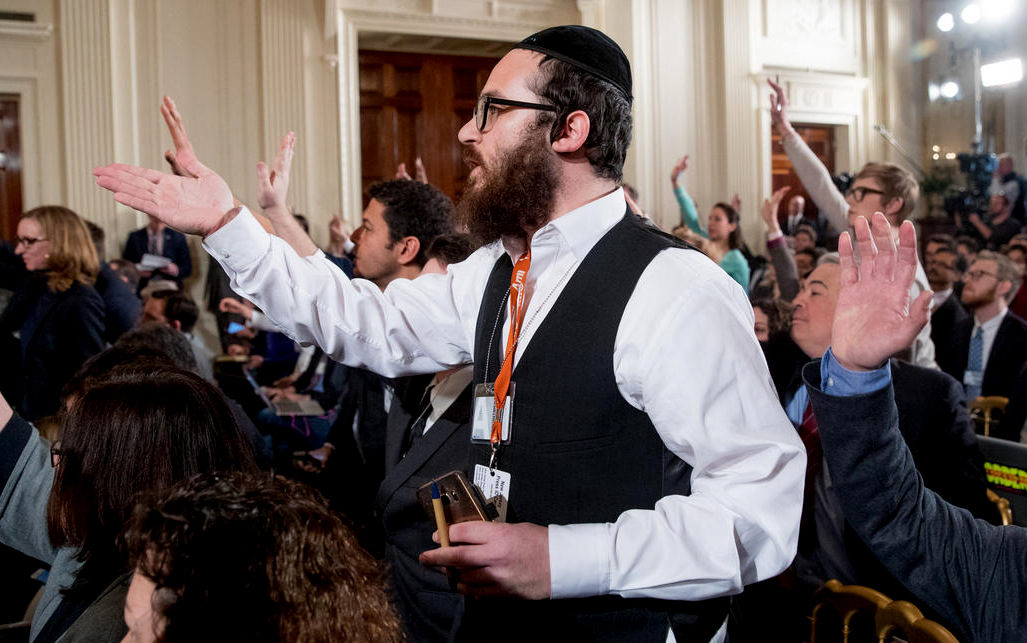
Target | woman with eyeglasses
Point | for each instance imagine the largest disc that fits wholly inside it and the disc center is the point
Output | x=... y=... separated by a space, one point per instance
x=57 y=314
x=141 y=428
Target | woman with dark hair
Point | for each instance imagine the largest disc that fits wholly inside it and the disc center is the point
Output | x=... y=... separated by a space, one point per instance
x=237 y=557
x=56 y=311
x=773 y=318
x=143 y=428
x=725 y=239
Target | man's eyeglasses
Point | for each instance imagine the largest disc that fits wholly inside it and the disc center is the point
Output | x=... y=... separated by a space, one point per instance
x=974 y=275
x=859 y=193
x=55 y=454
x=485 y=103
x=28 y=241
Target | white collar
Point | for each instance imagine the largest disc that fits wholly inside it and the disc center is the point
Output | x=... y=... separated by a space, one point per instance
x=580 y=228
x=992 y=324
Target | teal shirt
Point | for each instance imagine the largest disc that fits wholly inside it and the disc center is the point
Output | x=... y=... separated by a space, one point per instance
x=733 y=263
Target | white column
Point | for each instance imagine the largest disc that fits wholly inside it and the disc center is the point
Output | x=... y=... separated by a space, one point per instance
x=88 y=104
x=282 y=65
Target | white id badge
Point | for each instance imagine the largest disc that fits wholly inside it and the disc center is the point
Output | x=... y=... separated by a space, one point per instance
x=484 y=410
x=973 y=378
x=495 y=486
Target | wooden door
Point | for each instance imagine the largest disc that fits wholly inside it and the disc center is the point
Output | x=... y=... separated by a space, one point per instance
x=10 y=166
x=820 y=139
x=413 y=105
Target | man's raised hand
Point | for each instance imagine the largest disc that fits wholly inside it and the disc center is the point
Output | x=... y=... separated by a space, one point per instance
x=274 y=182
x=874 y=318
x=190 y=205
x=779 y=109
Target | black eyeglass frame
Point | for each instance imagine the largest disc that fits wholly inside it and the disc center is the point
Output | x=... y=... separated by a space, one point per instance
x=859 y=193
x=486 y=102
x=28 y=241
x=55 y=453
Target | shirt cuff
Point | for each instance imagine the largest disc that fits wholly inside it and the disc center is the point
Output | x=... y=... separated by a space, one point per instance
x=240 y=243
x=775 y=239
x=839 y=381
x=579 y=560
x=348 y=247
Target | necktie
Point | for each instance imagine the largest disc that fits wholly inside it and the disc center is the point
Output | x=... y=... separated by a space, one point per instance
x=153 y=249
x=975 y=364
x=809 y=433
x=416 y=430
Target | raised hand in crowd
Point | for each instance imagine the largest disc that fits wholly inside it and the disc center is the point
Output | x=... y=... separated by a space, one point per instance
x=419 y=173
x=779 y=110
x=736 y=202
x=338 y=236
x=273 y=182
x=233 y=305
x=875 y=318
x=770 y=208
x=196 y=203
x=678 y=168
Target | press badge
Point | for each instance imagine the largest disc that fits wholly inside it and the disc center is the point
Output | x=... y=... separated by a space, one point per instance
x=973 y=378
x=484 y=412
x=495 y=486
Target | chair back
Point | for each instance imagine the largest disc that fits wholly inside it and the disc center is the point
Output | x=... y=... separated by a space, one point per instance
x=985 y=407
x=1005 y=465
x=891 y=619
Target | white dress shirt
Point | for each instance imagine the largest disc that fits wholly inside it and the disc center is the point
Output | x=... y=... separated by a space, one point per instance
x=446 y=388
x=685 y=354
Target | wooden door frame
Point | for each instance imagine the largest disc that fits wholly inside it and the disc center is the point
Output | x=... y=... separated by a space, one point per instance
x=31 y=177
x=349 y=24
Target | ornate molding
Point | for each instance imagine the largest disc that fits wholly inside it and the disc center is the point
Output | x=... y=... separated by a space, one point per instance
x=25 y=30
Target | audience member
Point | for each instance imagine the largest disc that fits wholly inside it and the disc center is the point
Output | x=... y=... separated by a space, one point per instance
x=805 y=261
x=1017 y=253
x=796 y=216
x=877 y=187
x=722 y=229
x=159 y=240
x=179 y=311
x=1000 y=226
x=937 y=242
x=57 y=313
x=240 y=557
x=987 y=350
x=147 y=426
x=947 y=311
x=121 y=305
x=968 y=572
x=805 y=238
x=594 y=406
x=1007 y=182
x=786 y=272
x=967 y=247
x=933 y=421
x=773 y=319
x=126 y=271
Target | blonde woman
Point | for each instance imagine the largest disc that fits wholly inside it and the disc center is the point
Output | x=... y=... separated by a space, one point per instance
x=57 y=314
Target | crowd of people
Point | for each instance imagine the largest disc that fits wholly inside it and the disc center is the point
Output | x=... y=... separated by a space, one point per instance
x=670 y=432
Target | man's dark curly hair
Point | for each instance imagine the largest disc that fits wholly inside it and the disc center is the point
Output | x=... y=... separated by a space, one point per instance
x=608 y=109
x=414 y=209
x=243 y=557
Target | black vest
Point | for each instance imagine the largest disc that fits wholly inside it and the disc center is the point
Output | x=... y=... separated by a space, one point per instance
x=579 y=453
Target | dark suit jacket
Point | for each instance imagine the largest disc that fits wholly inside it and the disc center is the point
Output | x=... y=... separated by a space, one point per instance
x=121 y=304
x=1006 y=360
x=968 y=572
x=176 y=248
x=59 y=331
x=944 y=321
x=429 y=608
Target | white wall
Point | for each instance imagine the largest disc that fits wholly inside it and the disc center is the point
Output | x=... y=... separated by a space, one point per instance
x=246 y=71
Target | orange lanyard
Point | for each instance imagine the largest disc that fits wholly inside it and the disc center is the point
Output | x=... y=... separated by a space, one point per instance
x=517 y=310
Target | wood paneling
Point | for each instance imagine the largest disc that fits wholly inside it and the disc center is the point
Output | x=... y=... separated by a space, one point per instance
x=10 y=165
x=413 y=105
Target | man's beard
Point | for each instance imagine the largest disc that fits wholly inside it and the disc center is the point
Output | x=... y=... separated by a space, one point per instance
x=517 y=195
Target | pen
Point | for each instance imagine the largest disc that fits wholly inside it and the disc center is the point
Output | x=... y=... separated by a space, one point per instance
x=440 y=515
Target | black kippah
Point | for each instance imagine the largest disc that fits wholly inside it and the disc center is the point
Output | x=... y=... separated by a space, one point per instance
x=587 y=49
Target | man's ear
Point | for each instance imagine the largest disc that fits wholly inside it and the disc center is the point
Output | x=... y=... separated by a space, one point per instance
x=1002 y=288
x=574 y=133
x=893 y=207
x=409 y=248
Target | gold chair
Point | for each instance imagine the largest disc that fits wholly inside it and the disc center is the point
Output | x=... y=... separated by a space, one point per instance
x=985 y=406
x=1002 y=505
x=889 y=617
